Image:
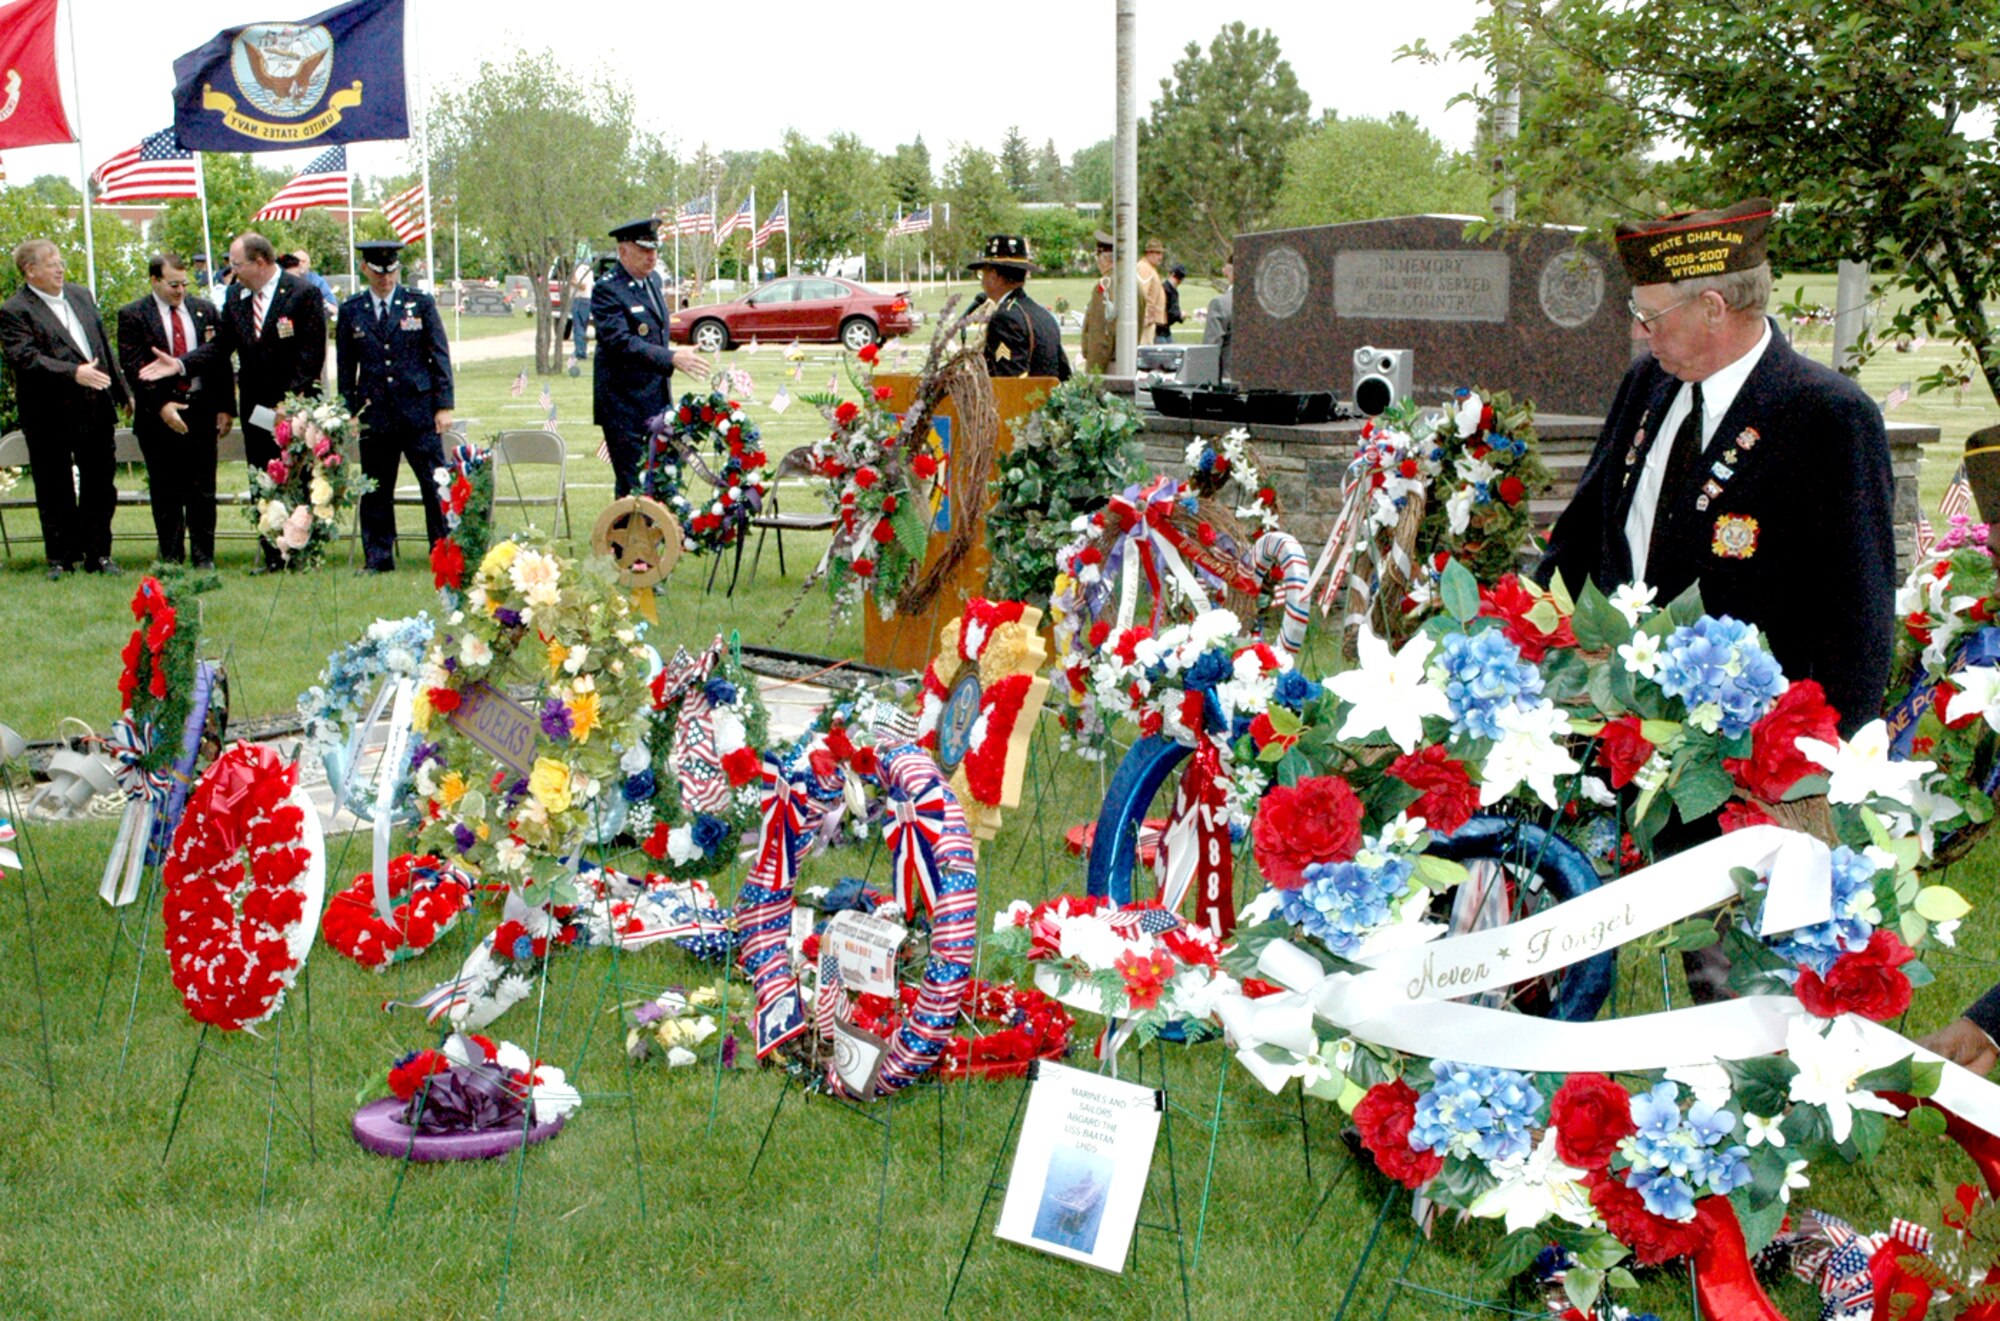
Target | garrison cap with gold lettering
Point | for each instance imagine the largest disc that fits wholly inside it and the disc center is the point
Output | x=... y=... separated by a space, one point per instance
x=1693 y=244
x=1006 y=252
x=645 y=233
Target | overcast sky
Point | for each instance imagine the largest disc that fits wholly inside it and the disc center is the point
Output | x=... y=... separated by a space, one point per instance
x=885 y=73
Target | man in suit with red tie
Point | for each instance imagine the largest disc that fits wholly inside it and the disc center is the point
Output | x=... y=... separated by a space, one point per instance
x=68 y=388
x=275 y=324
x=178 y=420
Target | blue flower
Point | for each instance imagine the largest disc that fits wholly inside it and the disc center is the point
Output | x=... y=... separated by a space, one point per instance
x=1718 y=661
x=524 y=947
x=507 y=618
x=640 y=787
x=709 y=832
x=1209 y=669
x=1658 y=1112
x=719 y=692
x=1673 y=1158
x=1478 y=1111
x=1295 y=690
x=1663 y=1194
x=1484 y=675
x=464 y=838
x=1817 y=946
x=1342 y=902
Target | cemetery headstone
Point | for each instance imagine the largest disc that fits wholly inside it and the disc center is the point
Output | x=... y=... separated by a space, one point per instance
x=486 y=302
x=1534 y=314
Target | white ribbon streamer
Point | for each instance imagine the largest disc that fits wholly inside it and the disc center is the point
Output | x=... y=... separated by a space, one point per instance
x=389 y=774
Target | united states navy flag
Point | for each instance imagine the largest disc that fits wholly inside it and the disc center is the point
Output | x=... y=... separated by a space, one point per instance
x=334 y=77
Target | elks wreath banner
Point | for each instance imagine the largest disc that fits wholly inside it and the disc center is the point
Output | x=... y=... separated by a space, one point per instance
x=31 y=107
x=334 y=77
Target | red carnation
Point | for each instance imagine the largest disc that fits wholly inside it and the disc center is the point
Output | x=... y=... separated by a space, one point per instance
x=447 y=565
x=847 y=412
x=1775 y=763
x=655 y=844
x=882 y=393
x=884 y=534
x=1862 y=981
x=408 y=1075
x=864 y=568
x=1448 y=798
x=1407 y=468
x=741 y=766
x=506 y=936
x=1653 y=1239
x=923 y=465
x=869 y=353
x=461 y=494
x=1316 y=820
x=1098 y=632
x=1623 y=749
x=1268 y=495
x=1591 y=1115
x=889 y=503
x=1510 y=602
x=865 y=477
x=1384 y=1117
x=1263 y=733
x=1512 y=489
x=1741 y=816
x=443 y=700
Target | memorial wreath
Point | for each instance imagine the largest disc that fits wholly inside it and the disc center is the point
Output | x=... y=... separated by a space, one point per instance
x=696 y=433
x=297 y=499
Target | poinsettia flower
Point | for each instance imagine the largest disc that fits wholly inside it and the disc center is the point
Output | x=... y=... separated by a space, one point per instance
x=1389 y=691
x=1978 y=694
x=1828 y=1066
x=1634 y=601
x=1534 y=1188
x=1530 y=752
x=1862 y=768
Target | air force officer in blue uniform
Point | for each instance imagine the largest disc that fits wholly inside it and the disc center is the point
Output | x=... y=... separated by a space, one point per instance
x=633 y=378
x=395 y=374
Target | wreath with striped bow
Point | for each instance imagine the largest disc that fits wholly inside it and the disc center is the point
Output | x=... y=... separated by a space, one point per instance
x=699 y=789
x=429 y=898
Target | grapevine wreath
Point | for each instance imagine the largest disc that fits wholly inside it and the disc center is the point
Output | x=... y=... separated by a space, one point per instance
x=244 y=879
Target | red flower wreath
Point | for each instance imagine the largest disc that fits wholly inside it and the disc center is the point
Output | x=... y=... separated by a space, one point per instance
x=1032 y=1026
x=428 y=896
x=145 y=652
x=240 y=880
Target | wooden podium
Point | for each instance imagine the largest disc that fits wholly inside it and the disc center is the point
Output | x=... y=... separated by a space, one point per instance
x=907 y=643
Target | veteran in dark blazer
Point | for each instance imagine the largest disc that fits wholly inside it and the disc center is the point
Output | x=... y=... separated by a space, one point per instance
x=177 y=420
x=1022 y=337
x=1732 y=461
x=393 y=364
x=632 y=381
x=68 y=388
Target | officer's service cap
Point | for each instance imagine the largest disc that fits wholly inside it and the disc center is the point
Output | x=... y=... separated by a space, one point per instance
x=645 y=233
x=380 y=254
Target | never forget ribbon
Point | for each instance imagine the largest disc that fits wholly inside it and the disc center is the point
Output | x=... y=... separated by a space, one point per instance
x=1405 y=1000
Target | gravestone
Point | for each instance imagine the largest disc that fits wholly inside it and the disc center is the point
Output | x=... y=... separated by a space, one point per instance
x=1535 y=314
x=486 y=302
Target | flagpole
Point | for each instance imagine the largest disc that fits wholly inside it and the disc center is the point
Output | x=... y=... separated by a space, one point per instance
x=352 y=274
x=82 y=166
x=677 y=244
x=750 y=276
x=207 y=239
x=787 y=204
x=423 y=153
x=457 y=289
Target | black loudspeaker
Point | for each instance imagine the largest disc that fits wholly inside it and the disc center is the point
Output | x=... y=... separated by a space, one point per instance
x=1381 y=378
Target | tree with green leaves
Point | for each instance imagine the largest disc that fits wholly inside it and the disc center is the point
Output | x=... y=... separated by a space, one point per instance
x=840 y=194
x=1871 y=123
x=1090 y=173
x=1212 y=151
x=1359 y=169
x=1051 y=183
x=981 y=204
x=909 y=174
x=1017 y=163
x=543 y=156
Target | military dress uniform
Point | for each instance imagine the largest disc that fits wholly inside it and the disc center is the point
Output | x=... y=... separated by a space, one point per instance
x=1022 y=337
x=633 y=376
x=1786 y=520
x=394 y=373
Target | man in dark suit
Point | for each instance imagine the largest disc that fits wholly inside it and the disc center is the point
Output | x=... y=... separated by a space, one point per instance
x=633 y=379
x=178 y=420
x=394 y=367
x=1732 y=461
x=67 y=386
x=1022 y=337
x=275 y=324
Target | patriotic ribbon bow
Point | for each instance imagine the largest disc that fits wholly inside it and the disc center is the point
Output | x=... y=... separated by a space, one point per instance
x=1840 y=1263
x=916 y=830
x=129 y=745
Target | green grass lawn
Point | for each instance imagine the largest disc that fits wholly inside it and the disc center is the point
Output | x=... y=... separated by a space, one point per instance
x=96 y=1225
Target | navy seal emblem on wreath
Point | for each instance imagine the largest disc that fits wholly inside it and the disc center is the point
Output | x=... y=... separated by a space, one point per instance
x=955 y=723
x=282 y=69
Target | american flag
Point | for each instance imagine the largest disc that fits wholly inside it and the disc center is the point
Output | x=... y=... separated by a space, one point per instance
x=158 y=167
x=1957 y=502
x=520 y=383
x=323 y=182
x=696 y=217
x=548 y=405
x=742 y=219
x=1896 y=398
x=777 y=224
x=405 y=213
x=917 y=222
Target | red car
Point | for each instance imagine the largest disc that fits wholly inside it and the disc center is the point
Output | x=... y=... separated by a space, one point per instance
x=807 y=307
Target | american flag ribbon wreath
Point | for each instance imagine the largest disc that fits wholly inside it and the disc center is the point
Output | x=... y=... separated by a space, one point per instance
x=1836 y=1259
x=764 y=907
x=932 y=859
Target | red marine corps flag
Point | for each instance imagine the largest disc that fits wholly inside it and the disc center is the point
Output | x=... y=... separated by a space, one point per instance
x=31 y=107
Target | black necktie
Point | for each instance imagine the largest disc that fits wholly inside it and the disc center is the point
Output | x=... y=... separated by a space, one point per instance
x=1681 y=463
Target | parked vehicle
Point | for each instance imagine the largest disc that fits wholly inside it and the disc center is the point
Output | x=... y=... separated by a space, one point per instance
x=808 y=308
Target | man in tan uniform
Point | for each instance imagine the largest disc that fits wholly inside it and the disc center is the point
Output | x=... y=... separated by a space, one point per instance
x=1152 y=295
x=1099 y=343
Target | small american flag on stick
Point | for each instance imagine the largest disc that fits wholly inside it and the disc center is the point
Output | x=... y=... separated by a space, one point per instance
x=1896 y=398
x=520 y=384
